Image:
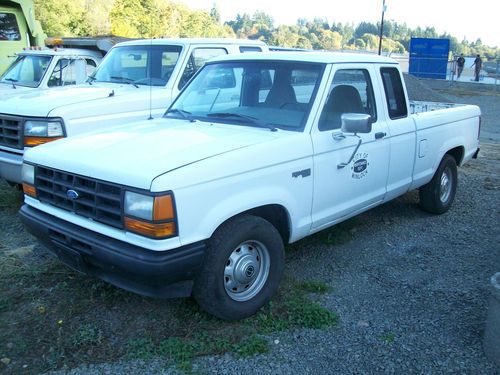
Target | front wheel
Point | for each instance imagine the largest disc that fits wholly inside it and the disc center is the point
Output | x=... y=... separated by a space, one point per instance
x=242 y=268
x=437 y=196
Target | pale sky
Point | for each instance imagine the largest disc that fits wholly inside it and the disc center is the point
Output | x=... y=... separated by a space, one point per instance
x=470 y=19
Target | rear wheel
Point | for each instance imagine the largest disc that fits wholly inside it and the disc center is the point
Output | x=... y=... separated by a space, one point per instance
x=242 y=268
x=437 y=196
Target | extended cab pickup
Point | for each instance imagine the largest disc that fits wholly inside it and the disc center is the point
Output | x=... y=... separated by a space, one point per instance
x=136 y=80
x=256 y=152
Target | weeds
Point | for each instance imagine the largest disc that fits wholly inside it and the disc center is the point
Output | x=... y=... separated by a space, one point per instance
x=251 y=346
x=88 y=335
x=388 y=338
x=314 y=287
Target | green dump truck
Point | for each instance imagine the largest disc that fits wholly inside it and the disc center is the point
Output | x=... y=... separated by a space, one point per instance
x=18 y=29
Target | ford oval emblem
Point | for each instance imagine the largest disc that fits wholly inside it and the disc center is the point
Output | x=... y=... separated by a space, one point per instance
x=71 y=194
x=360 y=165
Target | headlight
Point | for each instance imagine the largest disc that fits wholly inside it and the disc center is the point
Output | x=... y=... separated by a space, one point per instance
x=39 y=132
x=139 y=205
x=28 y=176
x=28 y=173
x=152 y=216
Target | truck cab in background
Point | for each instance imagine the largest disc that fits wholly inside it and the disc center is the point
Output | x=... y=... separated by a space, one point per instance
x=136 y=80
x=18 y=29
x=47 y=68
x=63 y=62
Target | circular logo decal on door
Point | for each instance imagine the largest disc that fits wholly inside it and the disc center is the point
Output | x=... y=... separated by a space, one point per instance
x=360 y=165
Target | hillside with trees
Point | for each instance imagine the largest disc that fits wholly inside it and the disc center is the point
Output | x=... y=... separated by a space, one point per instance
x=163 y=18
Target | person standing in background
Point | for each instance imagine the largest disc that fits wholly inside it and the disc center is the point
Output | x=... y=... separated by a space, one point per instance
x=478 y=64
x=460 y=65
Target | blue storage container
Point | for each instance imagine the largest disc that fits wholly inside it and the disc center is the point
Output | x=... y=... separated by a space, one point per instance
x=429 y=57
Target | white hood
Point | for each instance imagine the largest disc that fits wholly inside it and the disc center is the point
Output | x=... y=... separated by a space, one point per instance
x=40 y=103
x=6 y=90
x=134 y=155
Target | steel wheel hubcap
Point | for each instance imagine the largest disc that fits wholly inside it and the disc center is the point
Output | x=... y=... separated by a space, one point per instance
x=246 y=270
x=445 y=186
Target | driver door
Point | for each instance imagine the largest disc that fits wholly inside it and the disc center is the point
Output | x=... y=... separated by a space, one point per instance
x=342 y=191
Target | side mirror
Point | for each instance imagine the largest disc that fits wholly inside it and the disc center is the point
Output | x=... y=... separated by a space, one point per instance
x=356 y=123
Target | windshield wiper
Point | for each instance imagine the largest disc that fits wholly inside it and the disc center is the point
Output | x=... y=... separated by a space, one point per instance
x=185 y=114
x=91 y=79
x=251 y=119
x=126 y=80
x=11 y=80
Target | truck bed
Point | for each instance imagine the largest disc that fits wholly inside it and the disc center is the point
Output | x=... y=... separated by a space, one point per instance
x=421 y=106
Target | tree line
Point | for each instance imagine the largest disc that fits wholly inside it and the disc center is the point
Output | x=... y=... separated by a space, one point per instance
x=163 y=18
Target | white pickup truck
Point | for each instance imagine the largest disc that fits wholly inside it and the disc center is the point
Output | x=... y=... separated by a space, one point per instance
x=256 y=152
x=136 y=80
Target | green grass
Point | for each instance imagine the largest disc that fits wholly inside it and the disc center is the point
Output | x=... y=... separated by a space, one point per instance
x=314 y=287
x=252 y=346
x=388 y=338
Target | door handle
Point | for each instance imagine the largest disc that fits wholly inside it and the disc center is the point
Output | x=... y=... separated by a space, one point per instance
x=380 y=135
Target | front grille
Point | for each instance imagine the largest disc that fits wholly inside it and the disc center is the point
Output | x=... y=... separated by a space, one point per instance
x=98 y=200
x=10 y=132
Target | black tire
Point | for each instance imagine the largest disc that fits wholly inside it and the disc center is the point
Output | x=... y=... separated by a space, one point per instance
x=437 y=196
x=225 y=260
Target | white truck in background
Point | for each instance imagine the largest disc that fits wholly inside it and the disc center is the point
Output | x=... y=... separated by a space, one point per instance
x=35 y=69
x=136 y=80
x=256 y=152
x=62 y=62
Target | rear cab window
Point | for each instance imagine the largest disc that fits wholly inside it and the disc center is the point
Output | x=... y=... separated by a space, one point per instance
x=394 y=93
x=9 y=29
x=246 y=49
x=198 y=57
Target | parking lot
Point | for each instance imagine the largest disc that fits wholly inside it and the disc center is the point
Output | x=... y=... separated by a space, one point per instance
x=407 y=292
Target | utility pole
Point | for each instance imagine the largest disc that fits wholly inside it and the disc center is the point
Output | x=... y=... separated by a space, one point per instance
x=381 y=28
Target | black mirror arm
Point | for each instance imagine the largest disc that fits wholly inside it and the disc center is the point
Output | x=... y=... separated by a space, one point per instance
x=342 y=165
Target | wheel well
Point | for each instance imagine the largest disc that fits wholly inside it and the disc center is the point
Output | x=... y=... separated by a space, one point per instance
x=457 y=153
x=277 y=215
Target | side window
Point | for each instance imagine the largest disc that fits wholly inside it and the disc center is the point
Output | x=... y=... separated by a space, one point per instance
x=351 y=91
x=394 y=93
x=168 y=62
x=198 y=57
x=9 y=30
x=244 y=49
x=70 y=72
x=90 y=66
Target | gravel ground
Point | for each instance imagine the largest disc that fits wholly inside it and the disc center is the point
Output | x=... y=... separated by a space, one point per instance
x=411 y=288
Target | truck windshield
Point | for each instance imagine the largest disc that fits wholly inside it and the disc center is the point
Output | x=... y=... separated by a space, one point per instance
x=26 y=70
x=274 y=94
x=150 y=65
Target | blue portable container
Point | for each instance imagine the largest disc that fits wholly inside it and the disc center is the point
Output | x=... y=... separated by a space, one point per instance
x=429 y=57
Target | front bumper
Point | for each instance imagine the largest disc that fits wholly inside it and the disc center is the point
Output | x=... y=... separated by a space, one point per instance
x=162 y=274
x=11 y=166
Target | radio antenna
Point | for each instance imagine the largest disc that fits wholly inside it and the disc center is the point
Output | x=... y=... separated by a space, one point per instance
x=150 y=67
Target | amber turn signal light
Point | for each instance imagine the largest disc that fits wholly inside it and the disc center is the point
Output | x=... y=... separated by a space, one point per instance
x=150 y=229
x=36 y=141
x=29 y=190
x=163 y=208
